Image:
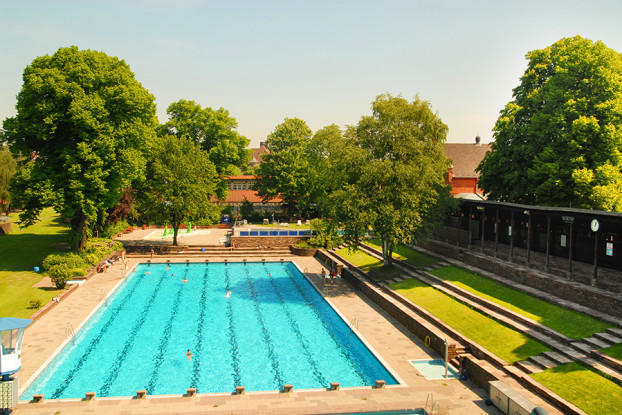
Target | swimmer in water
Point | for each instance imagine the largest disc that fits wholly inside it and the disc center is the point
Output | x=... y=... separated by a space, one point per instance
x=166 y=269
x=228 y=294
x=147 y=273
x=189 y=355
x=185 y=280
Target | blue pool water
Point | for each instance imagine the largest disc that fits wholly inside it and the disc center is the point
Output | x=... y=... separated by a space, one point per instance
x=274 y=329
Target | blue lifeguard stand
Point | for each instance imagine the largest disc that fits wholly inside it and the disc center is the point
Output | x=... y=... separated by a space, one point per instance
x=12 y=333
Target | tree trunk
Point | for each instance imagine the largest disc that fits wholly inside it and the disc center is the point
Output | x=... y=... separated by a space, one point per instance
x=80 y=226
x=175 y=231
x=387 y=252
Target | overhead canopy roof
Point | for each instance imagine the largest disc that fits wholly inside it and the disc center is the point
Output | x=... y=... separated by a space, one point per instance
x=10 y=323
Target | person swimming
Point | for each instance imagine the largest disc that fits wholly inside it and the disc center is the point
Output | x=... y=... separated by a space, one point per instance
x=228 y=294
x=185 y=280
x=189 y=355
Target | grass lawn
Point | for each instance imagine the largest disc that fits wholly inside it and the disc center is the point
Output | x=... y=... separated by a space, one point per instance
x=584 y=388
x=613 y=351
x=22 y=250
x=404 y=253
x=570 y=323
x=369 y=263
x=503 y=341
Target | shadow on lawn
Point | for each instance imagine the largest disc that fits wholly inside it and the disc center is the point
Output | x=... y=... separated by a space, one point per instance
x=23 y=251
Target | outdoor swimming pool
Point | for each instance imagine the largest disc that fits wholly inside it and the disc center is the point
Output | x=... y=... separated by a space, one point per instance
x=274 y=329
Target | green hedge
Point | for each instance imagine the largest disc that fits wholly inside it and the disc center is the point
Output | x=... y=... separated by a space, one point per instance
x=75 y=265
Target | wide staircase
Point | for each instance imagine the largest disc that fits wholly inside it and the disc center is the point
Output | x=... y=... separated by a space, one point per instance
x=565 y=349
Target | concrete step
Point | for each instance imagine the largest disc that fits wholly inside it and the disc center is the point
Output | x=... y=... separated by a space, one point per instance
x=528 y=367
x=557 y=357
x=542 y=361
x=593 y=341
x=582 y=347
x=608 y=337
x=615 y=331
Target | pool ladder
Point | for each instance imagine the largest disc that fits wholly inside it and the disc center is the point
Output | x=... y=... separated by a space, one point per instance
x=429 y=402
x=70 y=332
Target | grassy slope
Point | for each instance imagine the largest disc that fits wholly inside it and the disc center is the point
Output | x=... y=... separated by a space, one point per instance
x=22 y=250
x=571 y=323
x=407 y=254
x=368 y=263
x=613 y=351
x=584 y=388
x=503 y=341
x=506 y=343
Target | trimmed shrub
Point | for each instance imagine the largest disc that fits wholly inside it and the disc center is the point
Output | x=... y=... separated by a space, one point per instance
x=59 y=274
x=35 y=304
x=91 y=259
x=77 y=272
x=71 y=260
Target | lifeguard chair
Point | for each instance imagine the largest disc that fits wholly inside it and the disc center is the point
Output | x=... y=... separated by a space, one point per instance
x=12 y=333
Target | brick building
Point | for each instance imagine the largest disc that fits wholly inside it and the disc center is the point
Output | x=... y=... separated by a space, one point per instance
x=462 y=175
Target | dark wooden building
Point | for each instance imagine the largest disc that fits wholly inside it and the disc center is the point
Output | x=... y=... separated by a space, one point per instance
x=575 y=235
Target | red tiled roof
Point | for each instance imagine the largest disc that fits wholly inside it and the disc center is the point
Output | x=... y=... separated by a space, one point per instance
x=243 y=177
x=466 y=157
x=257 y=153
x=237 y=196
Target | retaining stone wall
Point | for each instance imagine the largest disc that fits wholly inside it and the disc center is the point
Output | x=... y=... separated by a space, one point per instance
x=403 y=316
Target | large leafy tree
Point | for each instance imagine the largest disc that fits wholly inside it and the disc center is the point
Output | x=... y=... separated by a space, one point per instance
x=180 y=180
x=83 y=120
x=8 y=168
x=558 y=142
x=391 y=174
x=214 y=130
x=287 y=171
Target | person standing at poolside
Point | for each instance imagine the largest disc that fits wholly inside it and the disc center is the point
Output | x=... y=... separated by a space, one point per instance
x=151 y=253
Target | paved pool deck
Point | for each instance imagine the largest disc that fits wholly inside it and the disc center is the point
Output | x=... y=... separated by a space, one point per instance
x=391 y=341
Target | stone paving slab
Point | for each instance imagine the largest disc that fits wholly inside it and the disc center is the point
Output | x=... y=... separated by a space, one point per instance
x=557 y=357
x=615 y=331
x=395 y=343
x=597 y=343
x=543 y=362
x=529 y=367
x=609 y=338
x=584 y=347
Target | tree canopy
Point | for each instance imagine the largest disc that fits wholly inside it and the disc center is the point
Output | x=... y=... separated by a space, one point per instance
x=287 y=171
x=558 y=142
x=83 y=120
x=8 y=167
x=214 y=131
x=390 y=174
x=180 y=179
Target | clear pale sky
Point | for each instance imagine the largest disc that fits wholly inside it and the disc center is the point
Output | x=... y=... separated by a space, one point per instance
x=322 y=61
